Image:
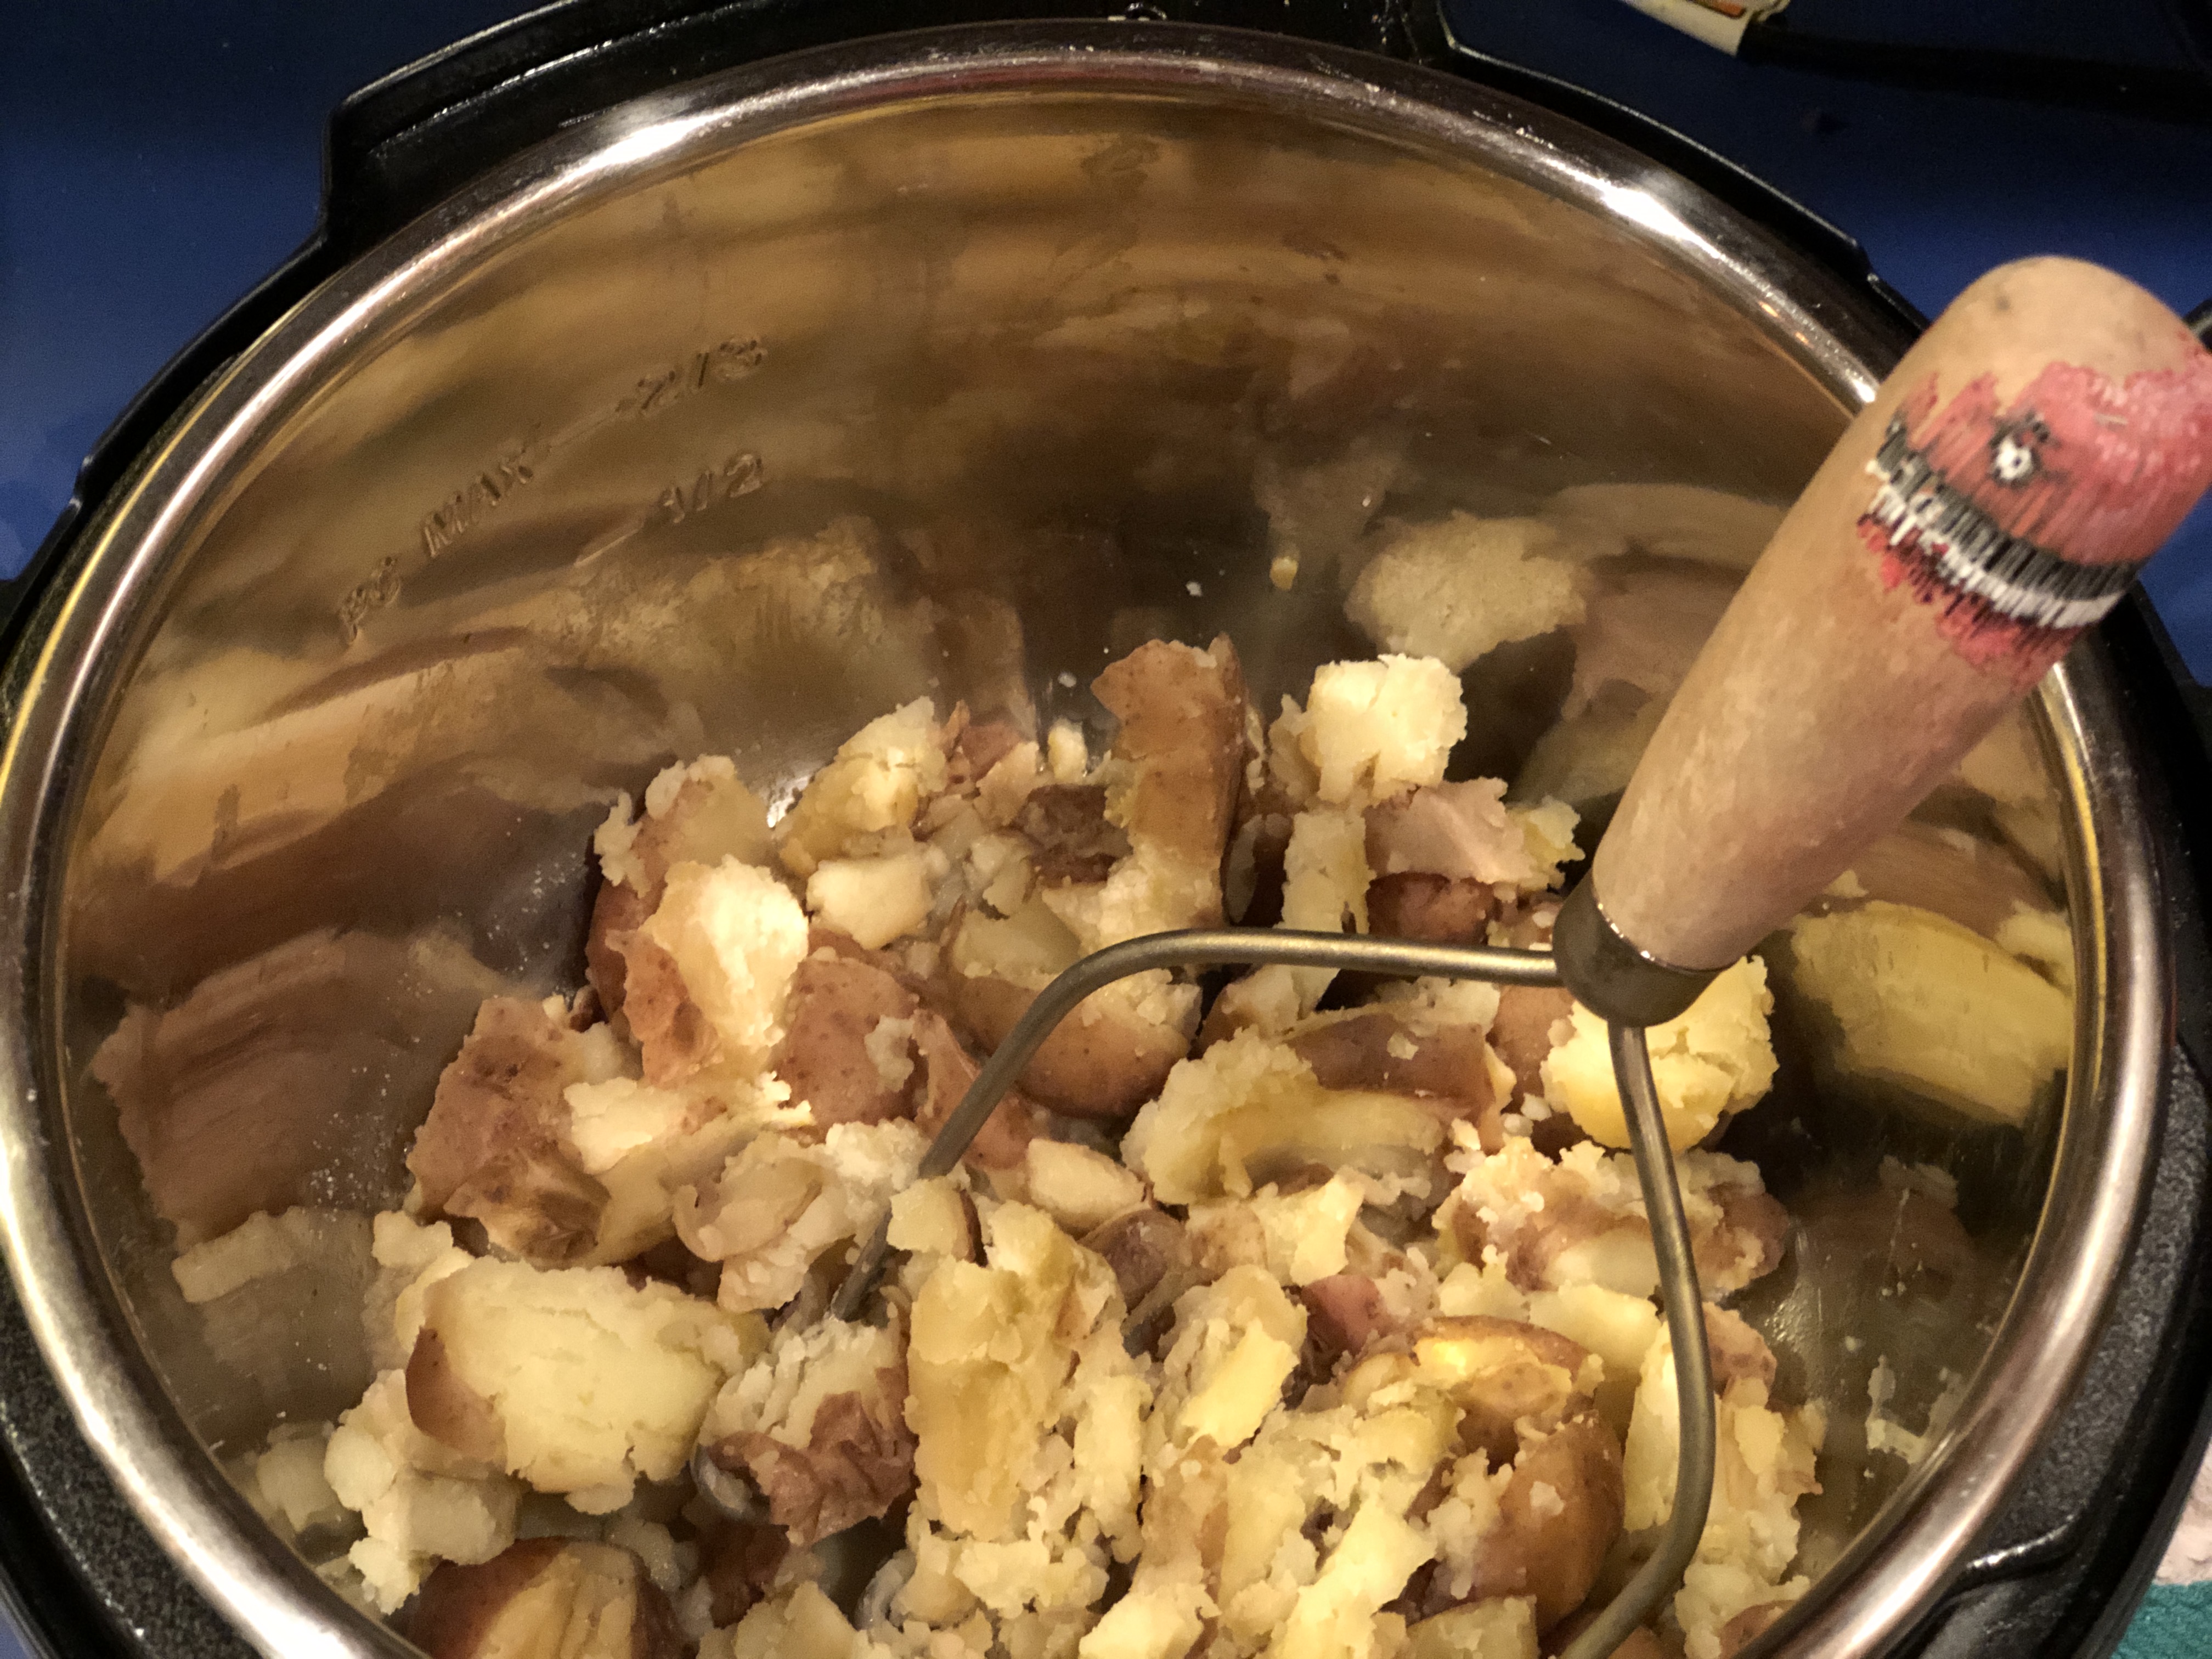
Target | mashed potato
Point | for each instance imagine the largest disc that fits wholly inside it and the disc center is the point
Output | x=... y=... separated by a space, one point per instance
x=1324 y=1330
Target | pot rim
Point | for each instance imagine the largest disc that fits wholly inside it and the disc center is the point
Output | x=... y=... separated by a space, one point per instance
x=93 y=624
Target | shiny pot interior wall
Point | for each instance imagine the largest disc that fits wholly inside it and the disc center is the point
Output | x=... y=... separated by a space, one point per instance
x=957 y=396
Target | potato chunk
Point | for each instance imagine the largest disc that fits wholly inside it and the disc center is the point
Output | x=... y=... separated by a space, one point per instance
x=1714 y=1060
x=420 y=1500
x=546 y=1598
x=1373 y=730
x=1767 y=1459
x=818 y=1426
x=1504 y=1629
x=495 y=1146
x=699 y=814
x=707 y=975
x=801 y=1623
x=1079 y=1189
x=873 y=786
x=1581 y=1220
x=1173 y=774
x=1237 y=1342
x=841 y=1053
x=572 y=1380
x=782 y=1202
x=1249 y=1110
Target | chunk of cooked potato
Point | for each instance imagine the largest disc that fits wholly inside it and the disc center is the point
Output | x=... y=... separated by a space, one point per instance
x=495 y=1146
x=573 y=1380
x=818 y=1426
x=545 y=1597
x=873 y=785
x=1373 y=730
x=1713 y=1059
x=1248 y=1111
x=707 y=975
x=1077 y=1187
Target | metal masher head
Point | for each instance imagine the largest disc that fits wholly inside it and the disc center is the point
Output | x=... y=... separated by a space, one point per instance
x=1214 y=947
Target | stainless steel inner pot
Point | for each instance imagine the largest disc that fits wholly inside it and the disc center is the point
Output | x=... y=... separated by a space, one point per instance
x=1058 y=346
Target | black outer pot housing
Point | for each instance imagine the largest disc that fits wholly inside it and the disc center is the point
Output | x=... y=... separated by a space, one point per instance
x=2065 y=1565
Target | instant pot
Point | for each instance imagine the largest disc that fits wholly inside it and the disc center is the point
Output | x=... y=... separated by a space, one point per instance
x=1068 y=308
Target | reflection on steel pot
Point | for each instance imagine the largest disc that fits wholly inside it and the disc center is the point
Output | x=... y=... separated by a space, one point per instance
x=954 y=365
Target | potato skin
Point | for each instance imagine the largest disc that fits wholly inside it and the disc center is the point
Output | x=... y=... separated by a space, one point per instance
x=618 y=911
x=1413 y=904
x=1182 y=732
x=504 y=1608
x=1103 y=1070
x=948 y=1072
x=1521 y=1033
x=445 y=1408
x=859 y=1462
x=1555 y=1554
x=832 y=1008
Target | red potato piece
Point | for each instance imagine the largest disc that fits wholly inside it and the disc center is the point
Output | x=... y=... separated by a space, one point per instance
x=1451 y=1062
x=857 y=1462
x=833 y=1008
x=1559 y=1515
x=501 y=1092
x=1739 y=1353
x=1521 y=1032
x=1525 y=1379
x=496 y=1147
x=1435 y=909
x=673 y=1031
x=444 y=1407
x=1448 y=1068
x=1749 y=1222
x=948 y=1072
x=1183 y=736
x=711 y=815
x=1143 y=1246
x=981 y=746
x=616 y=912
x=1571 y=1217
x=1344 y=1314
x=545 y=1596
x=1460 y=831
x=1101 y=1062
x=739 y=1560
x=1069 y=836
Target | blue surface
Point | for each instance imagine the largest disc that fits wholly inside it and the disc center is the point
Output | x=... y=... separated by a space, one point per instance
x=156 y=160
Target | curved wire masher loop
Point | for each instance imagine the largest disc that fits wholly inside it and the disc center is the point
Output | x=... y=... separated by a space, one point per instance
x=1208 y=947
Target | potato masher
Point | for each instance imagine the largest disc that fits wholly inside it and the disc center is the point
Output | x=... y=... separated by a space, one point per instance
x=1997 y=497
